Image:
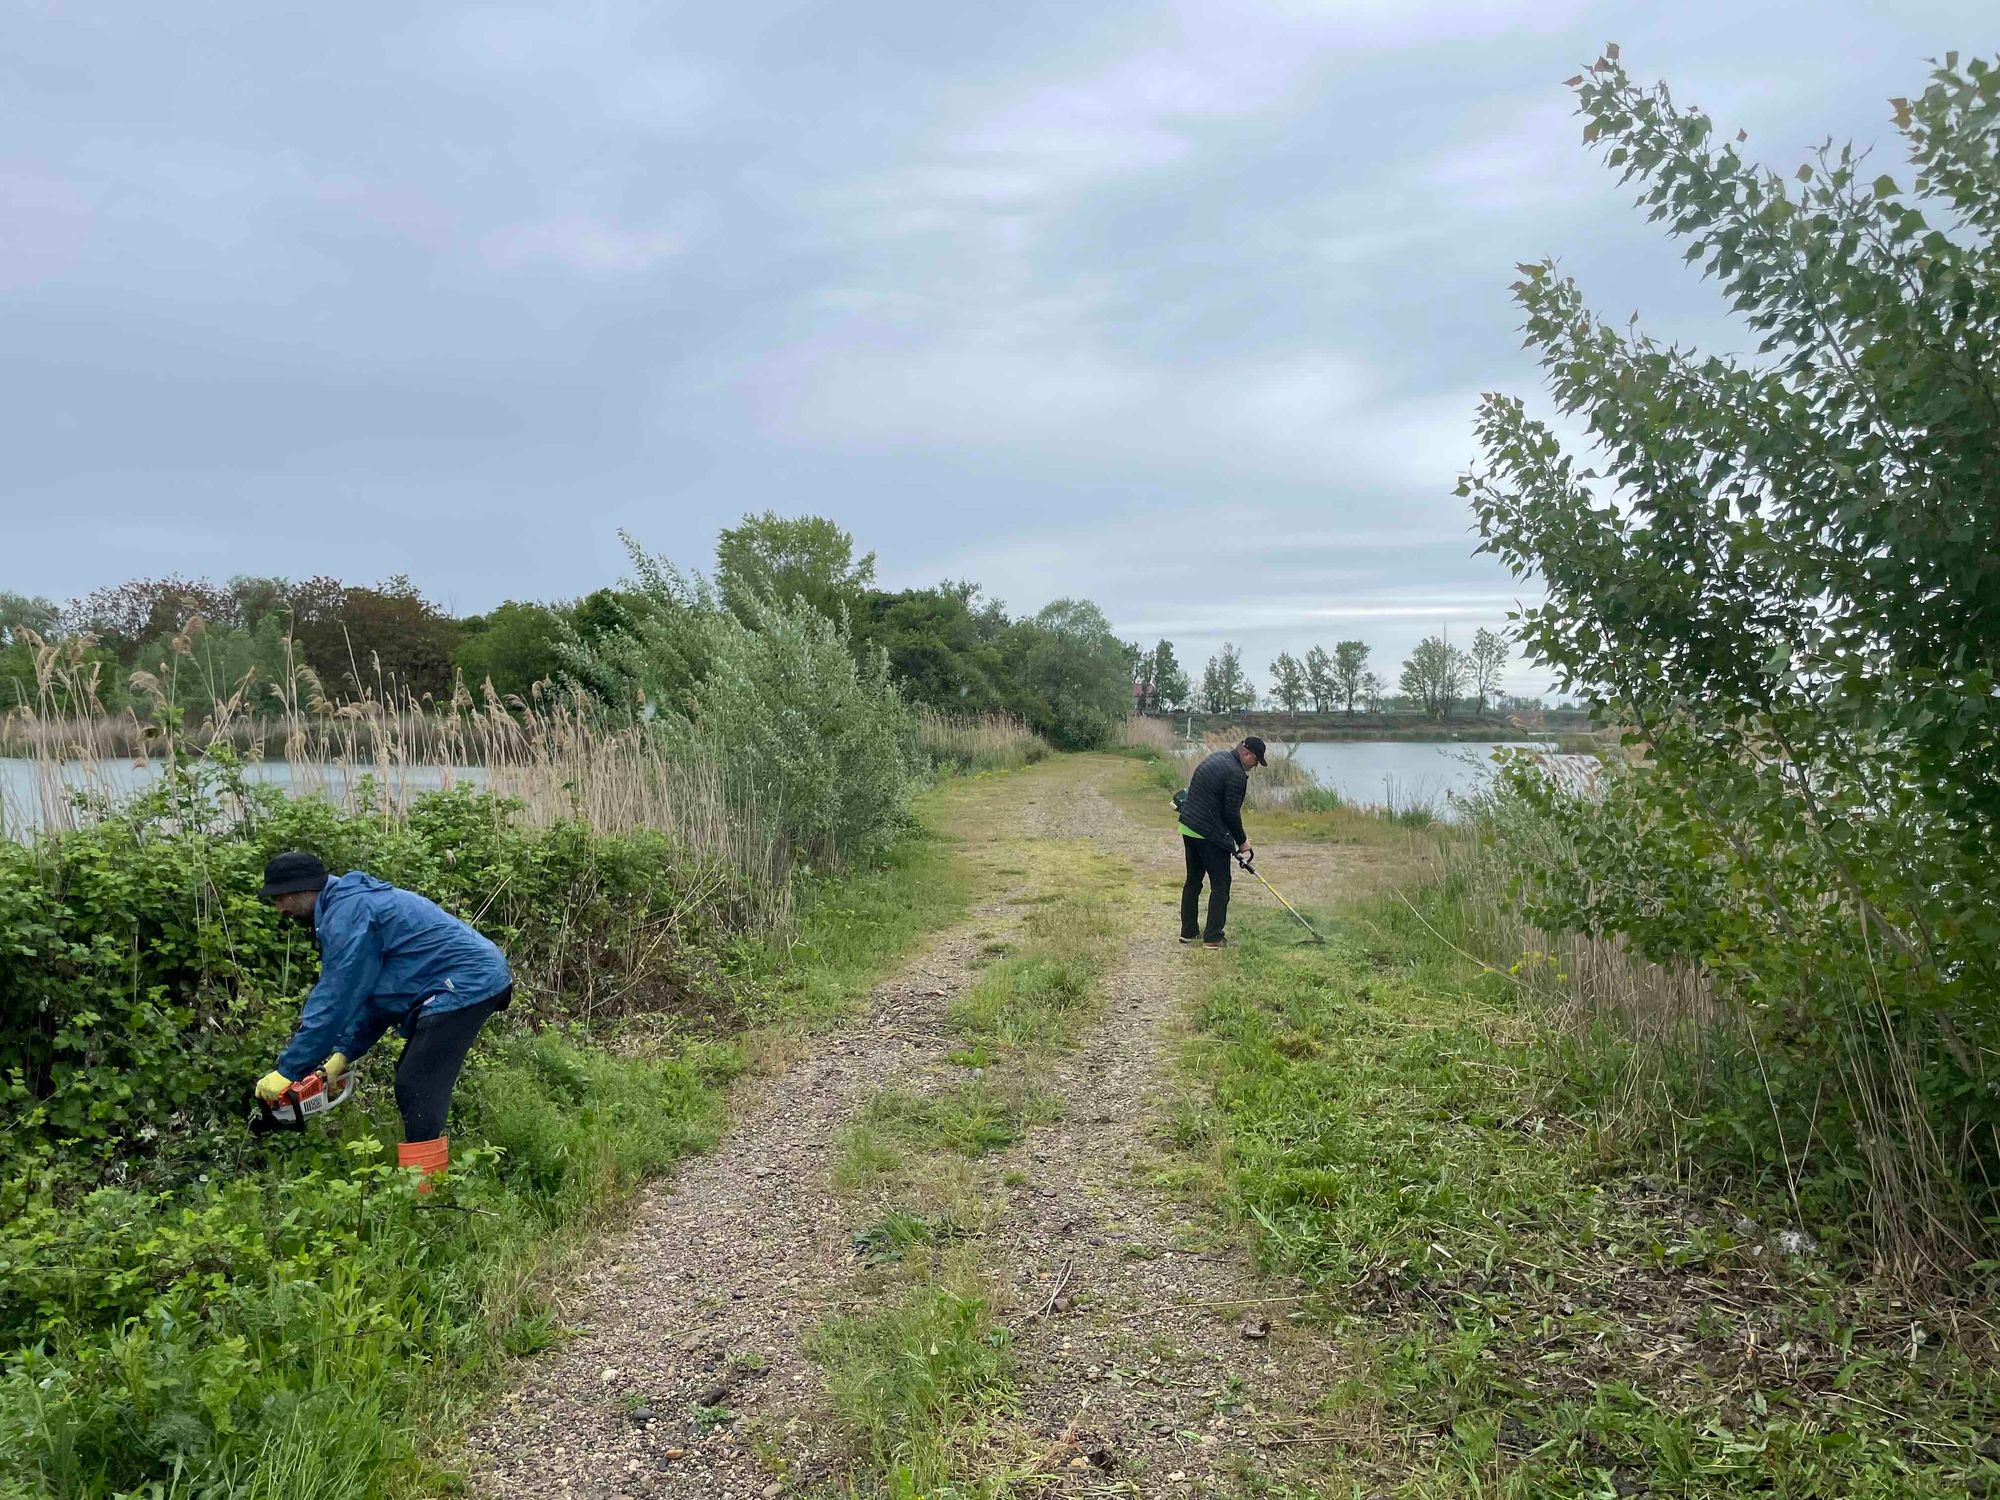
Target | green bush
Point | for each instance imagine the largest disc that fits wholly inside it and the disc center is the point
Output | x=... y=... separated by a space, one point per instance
x=143 y=977
x=285 y=1305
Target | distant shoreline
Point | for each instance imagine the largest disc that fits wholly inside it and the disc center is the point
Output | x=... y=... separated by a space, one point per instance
x=1283 y=729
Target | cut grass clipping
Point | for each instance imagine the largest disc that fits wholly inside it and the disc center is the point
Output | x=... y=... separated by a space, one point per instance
x=1527 y=1313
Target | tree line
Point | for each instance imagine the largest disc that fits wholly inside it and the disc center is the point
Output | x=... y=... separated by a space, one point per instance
x=252 y=641
x=1437 y=678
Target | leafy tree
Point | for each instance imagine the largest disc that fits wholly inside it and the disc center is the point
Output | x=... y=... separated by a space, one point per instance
x=125 y=615
x=1781 y=576
x=399 y=641
x=1372 y=690
x=1319 y=679
x=1434 y=676
x=1170 y=683
x=1225 y=687
x=1288 y=683
x=1350 y=672
x=1075 y=684
x=20 y=612
x=1488 y=659
x=778 y=557
x=944 y=646
x=513 y=648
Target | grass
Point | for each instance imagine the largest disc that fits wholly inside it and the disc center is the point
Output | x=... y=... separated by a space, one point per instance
x=969 y=1119
x=1039 y=989
x=1527 y=1309
x=922 y=1382
x=918 y=1375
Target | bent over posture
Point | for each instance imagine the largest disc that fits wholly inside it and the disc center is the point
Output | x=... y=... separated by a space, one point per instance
x=388 y=957
x=1212 y=831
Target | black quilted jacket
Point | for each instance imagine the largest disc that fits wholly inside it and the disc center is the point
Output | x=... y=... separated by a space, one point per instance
x=1214 y=805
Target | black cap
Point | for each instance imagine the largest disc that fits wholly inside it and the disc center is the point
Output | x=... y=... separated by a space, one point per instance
x=1256 y=747
x=294 y=870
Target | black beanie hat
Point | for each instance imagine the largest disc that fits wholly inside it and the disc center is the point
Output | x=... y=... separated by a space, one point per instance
x=294 y=870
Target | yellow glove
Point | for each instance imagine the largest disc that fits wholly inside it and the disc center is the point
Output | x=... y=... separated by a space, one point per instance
x=333 y=1067
x=271 y=1087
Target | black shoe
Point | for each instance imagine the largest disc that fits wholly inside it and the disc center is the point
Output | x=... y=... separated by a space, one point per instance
x=1191 y=939
x=1214 y=942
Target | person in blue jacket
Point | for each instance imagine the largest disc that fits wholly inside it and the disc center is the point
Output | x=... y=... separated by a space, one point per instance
x=388 y=957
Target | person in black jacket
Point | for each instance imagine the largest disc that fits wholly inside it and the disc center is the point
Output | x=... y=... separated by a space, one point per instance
x=1211 y=832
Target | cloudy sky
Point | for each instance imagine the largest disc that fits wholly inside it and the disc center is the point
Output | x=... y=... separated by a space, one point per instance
x=1180 y=306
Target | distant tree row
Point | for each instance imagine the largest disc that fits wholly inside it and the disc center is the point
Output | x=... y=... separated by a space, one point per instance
x=251 y=641
x=1436 y=678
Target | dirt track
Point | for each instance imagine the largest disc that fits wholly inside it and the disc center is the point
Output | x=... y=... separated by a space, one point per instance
x=687 y=1374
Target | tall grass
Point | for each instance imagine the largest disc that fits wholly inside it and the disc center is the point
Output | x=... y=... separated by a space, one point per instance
x=978 y=742
x=1837 y=1109
x=551 y=754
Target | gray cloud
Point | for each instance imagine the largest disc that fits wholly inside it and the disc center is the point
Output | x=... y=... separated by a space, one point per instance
x=1180 y=304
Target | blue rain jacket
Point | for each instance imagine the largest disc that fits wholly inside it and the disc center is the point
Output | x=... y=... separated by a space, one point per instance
x=385 y=954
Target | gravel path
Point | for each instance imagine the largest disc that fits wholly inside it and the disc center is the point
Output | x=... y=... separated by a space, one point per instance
x=703 y=1301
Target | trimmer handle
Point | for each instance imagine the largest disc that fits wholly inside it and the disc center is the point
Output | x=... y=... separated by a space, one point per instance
x=1247 y=861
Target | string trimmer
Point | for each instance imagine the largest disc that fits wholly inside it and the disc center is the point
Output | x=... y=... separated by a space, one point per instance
x=305 y=1100
x=1247 y=861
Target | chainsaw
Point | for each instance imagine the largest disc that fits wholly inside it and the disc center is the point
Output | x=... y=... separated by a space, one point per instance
x=307 y=1099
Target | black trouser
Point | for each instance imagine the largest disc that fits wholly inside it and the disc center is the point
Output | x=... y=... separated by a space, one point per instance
x=432 y=1058
x=1211 y=860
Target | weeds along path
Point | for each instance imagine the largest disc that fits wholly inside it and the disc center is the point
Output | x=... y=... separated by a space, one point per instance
x=696 y=1311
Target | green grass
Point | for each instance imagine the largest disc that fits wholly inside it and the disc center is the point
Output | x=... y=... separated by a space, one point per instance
x=848 y=925
x=971 y=1118
x=1042 y=991
x=1527 y=1313
x=920 y=1384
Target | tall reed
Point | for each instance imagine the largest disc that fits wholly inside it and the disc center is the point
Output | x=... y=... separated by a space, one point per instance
x=550 y=753
x=978 y=742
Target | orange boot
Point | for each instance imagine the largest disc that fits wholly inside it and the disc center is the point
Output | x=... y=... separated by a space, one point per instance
x=428 y=1157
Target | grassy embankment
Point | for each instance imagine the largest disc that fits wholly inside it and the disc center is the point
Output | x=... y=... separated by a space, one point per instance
x=290 y=1319
x=918 y=1373
x=1537 y=1299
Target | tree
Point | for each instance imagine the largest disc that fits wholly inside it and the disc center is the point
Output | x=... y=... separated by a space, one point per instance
x=513 y=648
x=1320 y=684
x=126 y=615
x=1139 y=664
x=776 y=557
x=1350 y=671
x=1780 y=575
x=1075 y=684
x=1225 y=687
x=1434 y=675
x=19 y=612
x=1288 y=683
x=390 y=639
x=1486 y=662
x=1372 y=691
x=1170 y=683
x=944 y=646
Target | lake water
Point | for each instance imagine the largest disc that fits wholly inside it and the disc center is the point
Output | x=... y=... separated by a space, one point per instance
x=1398 y=773
x=25 y=796
x=1373 y=773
